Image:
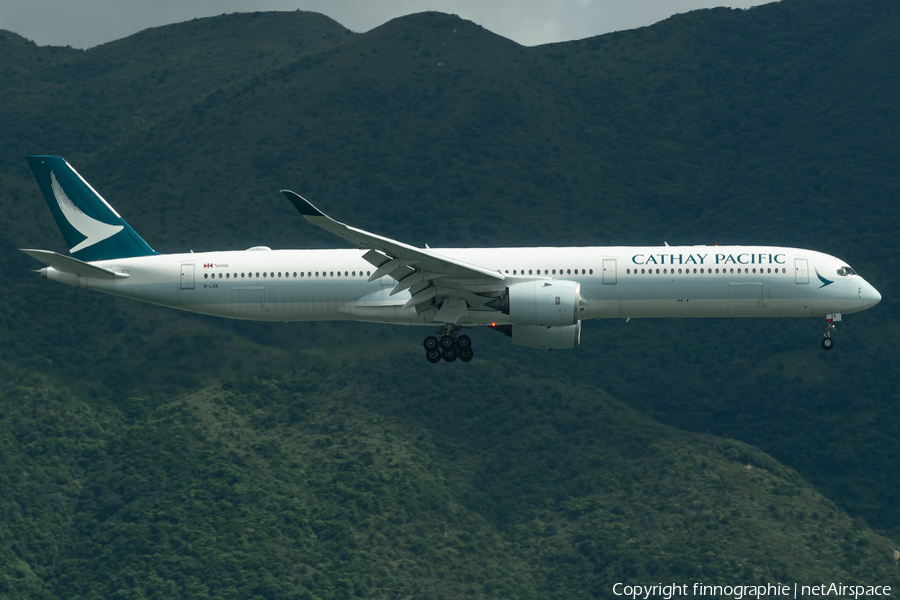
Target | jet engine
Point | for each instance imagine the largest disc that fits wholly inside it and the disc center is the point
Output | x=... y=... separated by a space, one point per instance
x=537 y=336
x=548 y=303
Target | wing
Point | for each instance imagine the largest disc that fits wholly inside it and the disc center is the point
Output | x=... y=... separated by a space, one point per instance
x=414 y=269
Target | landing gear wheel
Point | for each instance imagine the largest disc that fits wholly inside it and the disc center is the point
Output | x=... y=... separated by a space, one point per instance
x=448 y=342
x=827 y=344
x=430 y=343
x=433 y=355
x=463 y=341
x=465 y=353
x=450 y=353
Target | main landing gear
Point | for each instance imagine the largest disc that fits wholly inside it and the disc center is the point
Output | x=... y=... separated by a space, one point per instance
x=450 y=346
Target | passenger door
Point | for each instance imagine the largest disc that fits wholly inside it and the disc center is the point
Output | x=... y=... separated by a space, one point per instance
x=187 y=276
x=801 y=271
x=609 y=271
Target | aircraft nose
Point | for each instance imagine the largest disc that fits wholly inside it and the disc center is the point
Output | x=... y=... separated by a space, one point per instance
x=870 y=295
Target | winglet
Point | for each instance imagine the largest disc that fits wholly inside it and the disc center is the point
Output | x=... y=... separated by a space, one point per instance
x=302 y=204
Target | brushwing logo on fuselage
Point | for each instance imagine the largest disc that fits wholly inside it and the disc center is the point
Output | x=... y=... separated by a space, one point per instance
x=823 y=280
x=93 y=230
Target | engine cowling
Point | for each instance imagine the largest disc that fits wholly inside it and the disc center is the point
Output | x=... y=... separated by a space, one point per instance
x=547 y=303
x=537 y=336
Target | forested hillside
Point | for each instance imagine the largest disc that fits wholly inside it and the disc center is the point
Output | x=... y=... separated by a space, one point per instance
x=152 y=453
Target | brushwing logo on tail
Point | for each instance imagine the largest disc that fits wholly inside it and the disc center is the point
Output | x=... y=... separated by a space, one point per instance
x=93 y=230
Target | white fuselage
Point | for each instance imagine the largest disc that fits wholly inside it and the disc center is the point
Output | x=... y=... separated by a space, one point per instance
x=630 y=282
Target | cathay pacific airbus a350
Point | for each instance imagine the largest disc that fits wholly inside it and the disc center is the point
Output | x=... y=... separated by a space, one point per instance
x=538 y=296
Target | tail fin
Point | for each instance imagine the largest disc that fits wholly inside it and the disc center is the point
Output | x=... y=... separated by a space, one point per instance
x=93 y=230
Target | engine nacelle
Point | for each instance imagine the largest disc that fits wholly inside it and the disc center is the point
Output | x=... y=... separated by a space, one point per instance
x=547 y=303
x=537 y=336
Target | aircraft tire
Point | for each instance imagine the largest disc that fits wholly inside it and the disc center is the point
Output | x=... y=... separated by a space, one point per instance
x=448 y=342
x=430 y=343
x=433 y=355
x=463 y=341
x=827 y=344
x=466 y=354
x=450 y=354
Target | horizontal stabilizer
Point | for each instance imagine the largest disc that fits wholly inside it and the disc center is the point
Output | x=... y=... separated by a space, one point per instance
x=67 y=264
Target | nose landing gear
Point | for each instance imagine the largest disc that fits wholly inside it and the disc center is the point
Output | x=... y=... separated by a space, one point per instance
x=827 y=342
x=450 y=346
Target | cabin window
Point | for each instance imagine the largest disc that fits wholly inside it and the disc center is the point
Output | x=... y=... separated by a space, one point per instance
x=368 y=273
x=317 y=273
x=529 y=271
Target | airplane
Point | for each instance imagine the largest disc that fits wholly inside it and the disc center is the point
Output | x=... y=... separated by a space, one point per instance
x=537 y=296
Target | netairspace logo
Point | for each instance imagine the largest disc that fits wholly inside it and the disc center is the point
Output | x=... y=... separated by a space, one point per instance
x=738 y=592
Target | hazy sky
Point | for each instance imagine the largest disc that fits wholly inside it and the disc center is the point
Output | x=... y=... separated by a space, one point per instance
x=86 y=23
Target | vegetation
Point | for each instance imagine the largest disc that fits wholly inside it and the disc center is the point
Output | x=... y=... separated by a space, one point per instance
x=347 y=481
x=150 y=453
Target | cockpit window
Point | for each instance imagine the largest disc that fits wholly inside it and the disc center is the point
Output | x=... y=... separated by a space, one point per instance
x=845 y=271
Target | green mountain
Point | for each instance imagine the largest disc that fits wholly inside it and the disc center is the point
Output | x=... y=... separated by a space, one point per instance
x=150 y=453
